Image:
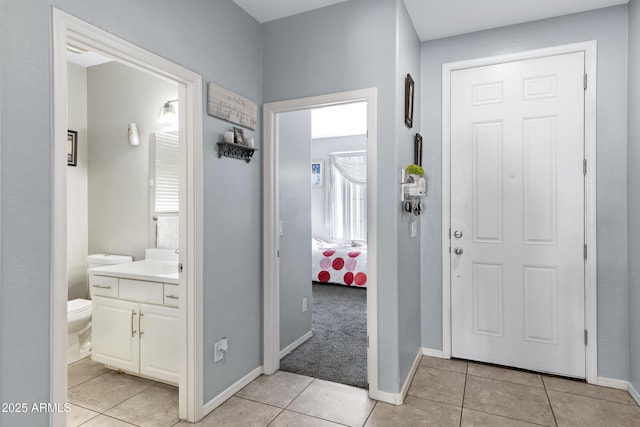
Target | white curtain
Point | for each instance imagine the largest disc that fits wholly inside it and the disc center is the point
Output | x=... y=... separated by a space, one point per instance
x=347 y=195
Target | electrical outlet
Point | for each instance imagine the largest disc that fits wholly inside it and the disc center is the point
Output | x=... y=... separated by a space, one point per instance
x=304 y=305
x=220 y=348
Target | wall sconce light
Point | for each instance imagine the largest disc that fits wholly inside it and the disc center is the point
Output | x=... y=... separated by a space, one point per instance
x=132 y=132
x=168 y=115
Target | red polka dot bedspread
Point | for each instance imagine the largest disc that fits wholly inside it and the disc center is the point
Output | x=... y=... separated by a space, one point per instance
x=339 y=264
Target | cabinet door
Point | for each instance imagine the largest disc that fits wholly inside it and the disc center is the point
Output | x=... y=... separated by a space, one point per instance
x=114 y=333
x=159 y=342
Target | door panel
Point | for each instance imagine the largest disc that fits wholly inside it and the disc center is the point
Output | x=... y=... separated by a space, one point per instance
x=487 y=181
x=159 y=332
x=517 y=198
x=487 y=299
x=114 y=335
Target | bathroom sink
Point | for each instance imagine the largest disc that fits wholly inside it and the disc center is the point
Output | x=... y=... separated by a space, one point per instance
x=152 y=270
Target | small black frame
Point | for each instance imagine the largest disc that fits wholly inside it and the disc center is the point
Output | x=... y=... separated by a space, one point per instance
x=409 y=89
x=72 y=148
x=239 y=136
x=418 y=150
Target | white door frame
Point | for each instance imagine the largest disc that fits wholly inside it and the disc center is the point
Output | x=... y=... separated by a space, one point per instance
x=271 y=210
x=67 y=28
x=590 y=306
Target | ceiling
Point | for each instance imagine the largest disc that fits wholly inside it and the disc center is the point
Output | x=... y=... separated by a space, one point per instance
x=83 y=58
x=434 y=19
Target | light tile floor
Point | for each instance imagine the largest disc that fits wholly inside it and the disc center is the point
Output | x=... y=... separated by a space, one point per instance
x=443 y=393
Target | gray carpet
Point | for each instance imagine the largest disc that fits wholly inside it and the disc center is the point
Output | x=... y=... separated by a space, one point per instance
x=337 y=351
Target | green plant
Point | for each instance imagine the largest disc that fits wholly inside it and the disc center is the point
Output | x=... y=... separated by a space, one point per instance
x=415 y=170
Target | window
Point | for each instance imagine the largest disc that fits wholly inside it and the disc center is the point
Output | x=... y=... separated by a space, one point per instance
x=166 y=173
x=348 y=195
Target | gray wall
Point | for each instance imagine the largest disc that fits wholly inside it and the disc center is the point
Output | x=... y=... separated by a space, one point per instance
x=408 y=247
x=609 y=27
x=119 y=213
x=25 y=206
x=320 y=149
x=77 y=204
x=195 y=34
x=294 y=153
x=633 y=174
x=347 y=46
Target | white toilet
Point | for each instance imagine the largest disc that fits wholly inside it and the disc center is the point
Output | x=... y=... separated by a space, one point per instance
x=78 y=329
x=79 y=312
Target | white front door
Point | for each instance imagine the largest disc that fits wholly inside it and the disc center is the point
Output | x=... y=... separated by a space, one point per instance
x=517 y=214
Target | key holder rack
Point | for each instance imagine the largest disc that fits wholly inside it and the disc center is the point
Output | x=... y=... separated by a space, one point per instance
x=414 y=188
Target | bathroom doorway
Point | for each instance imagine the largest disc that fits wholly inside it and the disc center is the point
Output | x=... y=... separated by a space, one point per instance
x=68 y=30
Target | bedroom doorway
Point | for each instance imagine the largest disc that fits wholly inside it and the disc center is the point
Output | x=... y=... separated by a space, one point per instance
x=323 y=302
x=289 y=237
x=68 y=30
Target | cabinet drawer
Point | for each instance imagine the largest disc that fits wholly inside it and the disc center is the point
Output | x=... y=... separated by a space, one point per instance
x=171 y=295
x=105 y=286
x=141 y=291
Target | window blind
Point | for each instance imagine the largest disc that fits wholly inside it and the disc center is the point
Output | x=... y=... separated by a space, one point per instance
x=167 y=173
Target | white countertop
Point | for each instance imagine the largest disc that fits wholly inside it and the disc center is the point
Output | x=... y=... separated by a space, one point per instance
x=151 y=270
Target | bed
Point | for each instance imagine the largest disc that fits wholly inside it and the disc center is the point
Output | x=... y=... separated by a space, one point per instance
x=339 y=264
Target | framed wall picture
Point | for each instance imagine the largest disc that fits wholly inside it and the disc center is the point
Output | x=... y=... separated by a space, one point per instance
x=317 y=172
x=72 y=148
x=418 y=150
x=409 y=88
x=239 y=136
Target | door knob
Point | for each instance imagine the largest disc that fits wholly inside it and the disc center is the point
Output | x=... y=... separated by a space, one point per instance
x=457 y=251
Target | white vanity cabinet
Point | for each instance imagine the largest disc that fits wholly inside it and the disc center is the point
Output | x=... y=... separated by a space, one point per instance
x=132 y=327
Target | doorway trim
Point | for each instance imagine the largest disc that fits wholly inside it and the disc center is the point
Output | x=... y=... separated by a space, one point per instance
x=67 y=28
x=271 y=212
x=590 y=267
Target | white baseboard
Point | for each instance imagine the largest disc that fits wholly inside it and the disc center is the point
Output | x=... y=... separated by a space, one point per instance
x=613 y=383
x=634 y=393
x=412 y=372
x=622 y=385
x=297 y=343
x=432 y=353
x=398 y=398
x=391 y=398
x=230 y=391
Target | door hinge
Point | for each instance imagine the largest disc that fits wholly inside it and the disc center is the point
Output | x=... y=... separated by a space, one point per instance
x=180 y=268
x=584 y=167
x=449 y=233
x=585 y=81
x=367 y=341
x=585 y=251
x=278 y=253
x=586 y=337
